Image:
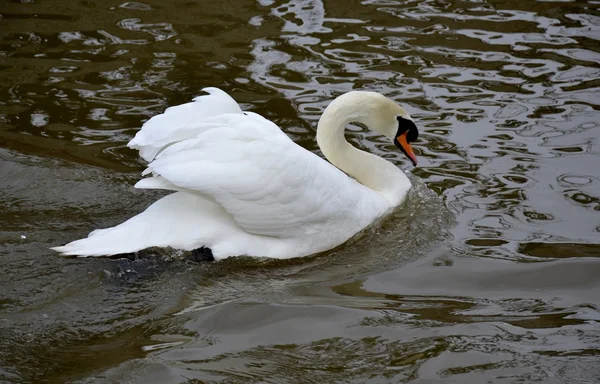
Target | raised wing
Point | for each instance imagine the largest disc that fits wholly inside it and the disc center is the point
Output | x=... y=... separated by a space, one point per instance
x=181 y=122
x=270 y=185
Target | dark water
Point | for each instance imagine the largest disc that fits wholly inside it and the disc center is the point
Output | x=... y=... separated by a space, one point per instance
x=489 y=275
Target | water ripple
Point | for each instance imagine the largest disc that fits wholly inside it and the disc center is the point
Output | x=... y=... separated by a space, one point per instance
x=507 y=100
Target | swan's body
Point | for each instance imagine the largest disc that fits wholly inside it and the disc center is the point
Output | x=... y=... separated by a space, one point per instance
x=244 y=188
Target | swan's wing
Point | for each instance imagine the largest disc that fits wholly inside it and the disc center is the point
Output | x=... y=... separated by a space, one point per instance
x=270 y=185
x=181 y=122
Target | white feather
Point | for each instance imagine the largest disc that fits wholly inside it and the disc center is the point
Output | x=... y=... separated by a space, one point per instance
x=179 y=122
x=243 y=188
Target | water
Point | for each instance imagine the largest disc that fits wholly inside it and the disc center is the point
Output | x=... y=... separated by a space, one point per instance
x=489 y=274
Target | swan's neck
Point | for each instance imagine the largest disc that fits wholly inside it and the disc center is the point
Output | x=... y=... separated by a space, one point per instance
x=370 y=170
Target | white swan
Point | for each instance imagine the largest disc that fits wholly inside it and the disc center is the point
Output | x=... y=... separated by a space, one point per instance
x=244 y=188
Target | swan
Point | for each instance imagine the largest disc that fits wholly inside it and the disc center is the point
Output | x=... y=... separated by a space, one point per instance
x=243 y=187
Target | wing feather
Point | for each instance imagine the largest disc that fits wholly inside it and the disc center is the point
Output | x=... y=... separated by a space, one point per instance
x=270 y=185
x=181 y=122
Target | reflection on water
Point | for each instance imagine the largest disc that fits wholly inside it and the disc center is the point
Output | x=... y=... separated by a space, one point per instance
x=489 y=274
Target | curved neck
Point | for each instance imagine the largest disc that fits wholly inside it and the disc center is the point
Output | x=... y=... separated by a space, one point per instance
x=370 y=170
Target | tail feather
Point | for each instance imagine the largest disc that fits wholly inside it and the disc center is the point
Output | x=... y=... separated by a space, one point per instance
x=180 y=220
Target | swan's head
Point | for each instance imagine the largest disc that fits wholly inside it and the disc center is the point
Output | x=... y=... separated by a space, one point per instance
x=372 y=109
x=407 y=133
x=384 y=116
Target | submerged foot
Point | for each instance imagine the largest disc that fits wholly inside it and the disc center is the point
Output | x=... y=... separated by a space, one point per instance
x=202 y=254
x=198 y=255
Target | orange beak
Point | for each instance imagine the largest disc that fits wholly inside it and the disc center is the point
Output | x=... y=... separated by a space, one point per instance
x=406 y=148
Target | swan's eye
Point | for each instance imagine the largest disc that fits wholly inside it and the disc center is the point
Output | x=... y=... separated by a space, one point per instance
x=407 y=125
x=413 y=133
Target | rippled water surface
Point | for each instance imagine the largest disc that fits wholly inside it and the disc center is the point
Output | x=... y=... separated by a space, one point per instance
x=490 y=274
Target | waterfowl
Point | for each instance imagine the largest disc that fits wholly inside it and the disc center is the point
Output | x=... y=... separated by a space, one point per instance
x=242 y=187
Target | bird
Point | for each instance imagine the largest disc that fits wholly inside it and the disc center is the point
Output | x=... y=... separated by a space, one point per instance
x=241 y=187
